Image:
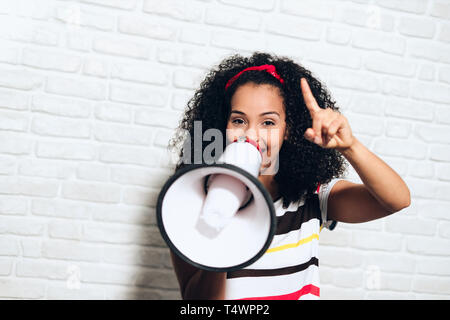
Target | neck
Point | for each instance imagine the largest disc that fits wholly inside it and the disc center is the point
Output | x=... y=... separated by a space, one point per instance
x=269 y=183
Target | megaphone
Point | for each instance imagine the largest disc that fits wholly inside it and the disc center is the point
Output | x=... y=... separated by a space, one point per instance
x=218 y=217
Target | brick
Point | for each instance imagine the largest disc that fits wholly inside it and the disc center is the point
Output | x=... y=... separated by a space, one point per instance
x=427 y=72
x=440 y=153
x=12 y=205
x=20 y=79
x=120 y=4
x=13 y=121
x=433 y=266
x=51 y=60
x=431 y=284
x=187 y=79
x=321 y=10
x=177 y=9
x=58 y=127
x=69 y=230
x=108 y=275
x=367 y=104
x=76 y=88
x=294 y=27
x=144 y=73
x=341 y=57
x=22 y=289
x=41 y=269
x=129 y=155
x=398 y=129
x=8 y=246
x=376 y=241
x=140 y=197
x=136 y=176
x=353 y=80
x=157 y=279
x=394 y=66
x=432 y=133
x=157 y=118
x=45 y=169
x=5 y=267
x=336 y=35
x=7 y=165
x=371 y=17
x=31 y=248
x=396 y=87
x=421 y=28
x=409 y=109
x=121 y=48
x=412 y=6
x=91 y=191
x=444 y=230
x=85 y=18
x=422 y=169
x=93 y=171
x=220 y=16
x=234 y=39
x=13 y=100
x=60 y=208
x=113 y=112
x=96 y=68
x=389 y=262
x=340 y=257
x=444 y=33
x=61 y=150
x=149 y=28
x=376 y=40
x=135 y=94
x=428 y=246
x=267 y=5
x=70 y=250
x=190 y=34
x=67 y=107
x=117 y=234
x=131 y=215
x=365 y=125
x=440 y=9
x=401 y=148
x=28 y=186
x=398 y=223
x=116 y=133
x=428 y=50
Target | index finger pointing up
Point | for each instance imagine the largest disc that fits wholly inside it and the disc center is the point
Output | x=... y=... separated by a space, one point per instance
x=310 y=101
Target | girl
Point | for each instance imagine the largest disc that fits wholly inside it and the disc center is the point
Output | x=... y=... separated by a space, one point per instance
x=266 y=93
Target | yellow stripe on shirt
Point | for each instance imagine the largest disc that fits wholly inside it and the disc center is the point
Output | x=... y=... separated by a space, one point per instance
x=294 y=245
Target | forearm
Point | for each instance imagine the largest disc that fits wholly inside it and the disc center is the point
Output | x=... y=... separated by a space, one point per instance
x=382 y=181
x=205 y=285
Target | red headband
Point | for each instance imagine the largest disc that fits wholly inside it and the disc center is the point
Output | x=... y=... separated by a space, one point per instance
x=266 y=67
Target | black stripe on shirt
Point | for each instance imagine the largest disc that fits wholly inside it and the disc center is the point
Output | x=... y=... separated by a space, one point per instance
x=292 y=220
x=272 y=272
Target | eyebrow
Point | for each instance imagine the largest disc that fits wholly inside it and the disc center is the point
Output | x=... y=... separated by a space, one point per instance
x=262 y=114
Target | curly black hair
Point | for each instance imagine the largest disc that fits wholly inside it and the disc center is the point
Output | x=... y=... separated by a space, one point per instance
x=302 y=164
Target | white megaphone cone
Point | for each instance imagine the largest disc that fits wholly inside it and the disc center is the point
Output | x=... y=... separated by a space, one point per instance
x=218 y=217
x=226 y=194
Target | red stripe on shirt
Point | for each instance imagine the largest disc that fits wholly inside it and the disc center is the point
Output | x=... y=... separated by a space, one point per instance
x=291 y=296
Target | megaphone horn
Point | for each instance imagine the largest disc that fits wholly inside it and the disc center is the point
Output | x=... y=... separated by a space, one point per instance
x=218 y=217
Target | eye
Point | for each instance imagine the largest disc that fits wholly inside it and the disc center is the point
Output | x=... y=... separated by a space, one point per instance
x=269 y=123
x=238 y=121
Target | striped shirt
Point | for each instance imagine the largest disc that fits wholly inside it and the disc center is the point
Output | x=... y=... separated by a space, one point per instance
x=289 y=269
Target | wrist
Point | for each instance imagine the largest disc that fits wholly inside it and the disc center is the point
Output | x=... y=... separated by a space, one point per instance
x=351 y=149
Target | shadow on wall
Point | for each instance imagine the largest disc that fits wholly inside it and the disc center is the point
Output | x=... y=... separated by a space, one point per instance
x=155 y=279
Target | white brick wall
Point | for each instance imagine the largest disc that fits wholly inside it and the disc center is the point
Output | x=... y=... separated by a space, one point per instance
x=90 y=91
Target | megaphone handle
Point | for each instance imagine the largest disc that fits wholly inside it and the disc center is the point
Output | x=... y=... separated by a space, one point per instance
x=247 y=201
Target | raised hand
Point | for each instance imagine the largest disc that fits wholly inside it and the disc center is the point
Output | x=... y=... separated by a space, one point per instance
x=330 y=129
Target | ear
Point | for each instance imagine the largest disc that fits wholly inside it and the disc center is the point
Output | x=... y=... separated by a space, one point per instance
x=286 y=134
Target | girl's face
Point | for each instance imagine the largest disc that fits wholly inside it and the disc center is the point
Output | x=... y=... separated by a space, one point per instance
x=257 y=111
